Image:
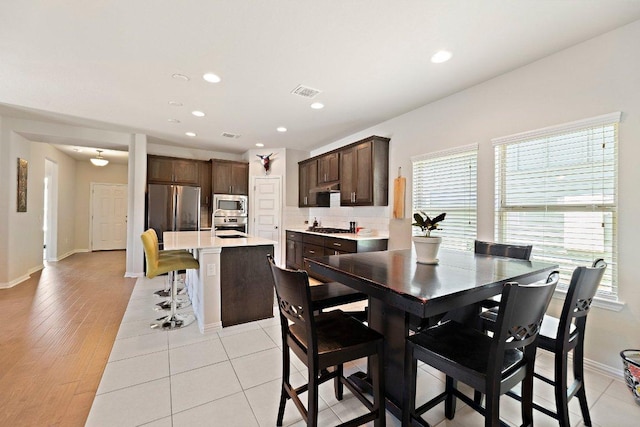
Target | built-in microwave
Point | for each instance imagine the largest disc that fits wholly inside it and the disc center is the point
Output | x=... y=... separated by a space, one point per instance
x=229 y=205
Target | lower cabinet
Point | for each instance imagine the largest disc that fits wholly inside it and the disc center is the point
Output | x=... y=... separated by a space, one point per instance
x=301 y=246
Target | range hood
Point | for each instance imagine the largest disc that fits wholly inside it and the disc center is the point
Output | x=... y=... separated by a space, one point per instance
x=327 y=188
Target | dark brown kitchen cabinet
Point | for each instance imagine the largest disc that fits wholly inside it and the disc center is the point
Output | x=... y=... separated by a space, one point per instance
x=302 y=245
x=205 y=193
x=294 y=250
x=364 y=173
x=229 y=177
x=328 y=168
x=307 y=181
x=170 y=170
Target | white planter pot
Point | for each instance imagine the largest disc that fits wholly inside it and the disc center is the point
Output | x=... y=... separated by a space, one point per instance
x=427 y=249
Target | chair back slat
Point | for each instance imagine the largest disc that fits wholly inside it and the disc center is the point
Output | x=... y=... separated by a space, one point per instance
x=294 y=296
x=503 y=250
x=583 y=287
x=522 y=309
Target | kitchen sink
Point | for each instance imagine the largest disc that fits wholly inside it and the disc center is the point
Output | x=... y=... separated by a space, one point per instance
x=230 y=236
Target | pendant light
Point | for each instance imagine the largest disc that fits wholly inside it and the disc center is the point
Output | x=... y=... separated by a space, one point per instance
x=99 y=160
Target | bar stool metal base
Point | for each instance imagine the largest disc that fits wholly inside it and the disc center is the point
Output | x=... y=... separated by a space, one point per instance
x=164 y=293
x=166 y=305
x=175 y=321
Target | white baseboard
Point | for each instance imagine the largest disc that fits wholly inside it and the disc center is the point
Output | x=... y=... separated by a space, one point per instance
x=14 y=282
x=606 y=370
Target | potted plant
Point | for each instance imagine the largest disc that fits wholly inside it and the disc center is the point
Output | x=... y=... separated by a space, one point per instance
x=426 y=245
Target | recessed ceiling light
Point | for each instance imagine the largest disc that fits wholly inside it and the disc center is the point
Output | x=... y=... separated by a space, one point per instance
x=281 y=129
x=441 y=56
x=173 y=120
x=180 y=77
x=190 y=133
x=317 y=105
x=198 y=113
x=212 y=78
x=259 y=144
x=175 y=103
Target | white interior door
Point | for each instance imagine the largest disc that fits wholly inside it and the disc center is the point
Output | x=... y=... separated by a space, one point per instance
x=267 y=210
x=108 y=216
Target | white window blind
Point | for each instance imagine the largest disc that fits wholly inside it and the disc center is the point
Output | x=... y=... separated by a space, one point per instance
x=556 y=189
x=446 y=182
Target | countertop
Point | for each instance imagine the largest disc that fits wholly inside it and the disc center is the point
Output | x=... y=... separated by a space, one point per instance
x=348 y=236
x=205 y=240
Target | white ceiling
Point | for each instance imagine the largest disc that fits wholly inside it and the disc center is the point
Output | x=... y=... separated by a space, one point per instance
x=109 y=65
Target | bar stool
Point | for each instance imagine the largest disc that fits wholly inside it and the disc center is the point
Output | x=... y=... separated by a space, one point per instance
x=166 y=292
x=168 y=264
x=564 y=334
x=322 y=341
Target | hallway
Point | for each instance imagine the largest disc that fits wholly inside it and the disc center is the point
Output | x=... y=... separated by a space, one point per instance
x=58 y=328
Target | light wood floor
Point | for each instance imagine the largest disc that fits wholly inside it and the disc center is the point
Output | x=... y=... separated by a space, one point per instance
x=56 y=334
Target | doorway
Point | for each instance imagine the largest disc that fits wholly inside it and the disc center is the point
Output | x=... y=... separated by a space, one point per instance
x=267 y=211
x=108 y=216
x=50 y=213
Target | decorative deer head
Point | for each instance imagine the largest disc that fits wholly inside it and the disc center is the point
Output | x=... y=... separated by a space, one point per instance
x=266 y=162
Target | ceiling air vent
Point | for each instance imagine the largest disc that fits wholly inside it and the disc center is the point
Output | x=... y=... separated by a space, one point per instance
x=305 y=91
x=230 y=135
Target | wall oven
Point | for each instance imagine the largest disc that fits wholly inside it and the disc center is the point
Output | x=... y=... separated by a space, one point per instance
x=233 y=223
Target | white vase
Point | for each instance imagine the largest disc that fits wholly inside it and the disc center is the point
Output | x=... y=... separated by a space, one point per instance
x=427 y=249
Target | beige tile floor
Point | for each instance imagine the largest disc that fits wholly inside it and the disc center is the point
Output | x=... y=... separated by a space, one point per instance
x=232 y=378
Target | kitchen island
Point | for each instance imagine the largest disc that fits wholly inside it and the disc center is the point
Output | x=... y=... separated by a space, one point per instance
x=233 y=284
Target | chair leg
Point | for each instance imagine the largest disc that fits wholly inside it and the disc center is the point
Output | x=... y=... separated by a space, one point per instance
x=450 y=401
x=578 y=374
x=560 y=389
x=492 y=408
x=286 y=369
x=527 y=396
x=338 y=387
x=312 y=404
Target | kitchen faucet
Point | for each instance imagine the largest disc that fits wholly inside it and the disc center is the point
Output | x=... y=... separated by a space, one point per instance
x=213 y=222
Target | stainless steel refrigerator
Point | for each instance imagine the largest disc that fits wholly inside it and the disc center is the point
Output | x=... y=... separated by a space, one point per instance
x=173 y=208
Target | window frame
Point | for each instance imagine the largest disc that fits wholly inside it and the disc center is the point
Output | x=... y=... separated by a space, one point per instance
x=610 y=207
x=463 y=240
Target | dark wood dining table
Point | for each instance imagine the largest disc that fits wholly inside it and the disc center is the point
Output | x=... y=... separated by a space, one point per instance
x=400 y=290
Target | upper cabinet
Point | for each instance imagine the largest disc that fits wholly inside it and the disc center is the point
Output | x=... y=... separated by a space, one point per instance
x=169 y=170
x=328 y=168
x=205 y=194
x=361 y=169
x=308 y=179
x=229 y=177
x=364 y=173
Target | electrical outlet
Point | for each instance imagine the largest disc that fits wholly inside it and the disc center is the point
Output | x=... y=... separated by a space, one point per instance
x=211 y=269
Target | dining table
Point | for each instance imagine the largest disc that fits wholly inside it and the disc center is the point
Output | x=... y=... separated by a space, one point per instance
x=402 y=291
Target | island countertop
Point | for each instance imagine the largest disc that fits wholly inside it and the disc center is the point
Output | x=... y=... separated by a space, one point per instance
x=348 y=236
x=205 y=240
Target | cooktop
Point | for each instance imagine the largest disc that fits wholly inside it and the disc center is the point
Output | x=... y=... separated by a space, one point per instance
x=328 y=230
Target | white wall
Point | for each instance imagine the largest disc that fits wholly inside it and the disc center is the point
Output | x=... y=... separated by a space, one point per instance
x=595 y=77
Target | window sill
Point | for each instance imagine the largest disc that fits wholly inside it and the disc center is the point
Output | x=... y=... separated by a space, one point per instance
x=607 y=304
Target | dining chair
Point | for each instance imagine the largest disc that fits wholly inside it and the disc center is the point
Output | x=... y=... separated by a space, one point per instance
x=566 y=333
x=334 y=294
x=170 y=265
x=322 y=341
x=503 y=249
x=490 y=364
